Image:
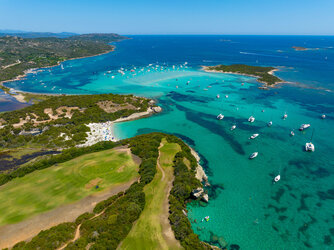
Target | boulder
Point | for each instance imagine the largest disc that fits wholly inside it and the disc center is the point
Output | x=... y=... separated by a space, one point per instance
x=205 y=197
x=197 y=192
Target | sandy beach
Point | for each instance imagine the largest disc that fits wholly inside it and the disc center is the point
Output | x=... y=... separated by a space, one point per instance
x=104 y=131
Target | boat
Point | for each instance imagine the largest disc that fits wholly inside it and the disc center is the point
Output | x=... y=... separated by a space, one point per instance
x=285 y=116
x=218 y=96
x=233 y=127
x=254 y=136
x=226 y=96
x=304 y=126
x=251 y=119
x=253 y=155
x=323 y=116
x=292 y=133
x=62 y=67
x=309 y=146
x=262 y=110
x=270 y=123
x=277 y=178
x=220 y=117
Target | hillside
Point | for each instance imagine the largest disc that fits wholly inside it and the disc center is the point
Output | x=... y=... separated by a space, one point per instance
x=18 y=54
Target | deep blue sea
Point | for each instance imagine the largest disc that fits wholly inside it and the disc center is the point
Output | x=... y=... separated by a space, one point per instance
x=245 y=207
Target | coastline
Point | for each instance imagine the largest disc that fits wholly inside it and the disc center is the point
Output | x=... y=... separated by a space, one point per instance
x=200 y=173
x=265 y=85
x=20 y=97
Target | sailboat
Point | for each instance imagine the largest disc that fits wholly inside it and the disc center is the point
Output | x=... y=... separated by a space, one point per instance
x=309 y=146
x=62 y=67
x=270 y=123
x=323 y=116
x=292 y=133
x=233 y=127
x=220 y=117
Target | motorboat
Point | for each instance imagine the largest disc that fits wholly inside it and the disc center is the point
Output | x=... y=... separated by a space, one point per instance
x=285 y=116
x=233 y=127
x=323 y=116
x=251 y=119
x=254 y=136
x=277 y=178
x=292 y=133
x=253 y=155
x=226 y=96
x=270 y=123
x=218 y=96
x=220 y=117
x=304 y=126
x=309 y=146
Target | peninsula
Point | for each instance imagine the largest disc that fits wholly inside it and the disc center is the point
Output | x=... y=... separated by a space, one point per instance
x=263 y=74
x=18 y=55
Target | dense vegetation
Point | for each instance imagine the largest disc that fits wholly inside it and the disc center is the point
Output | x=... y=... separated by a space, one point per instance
x=18 y=54
x=113 y=218
x=261 y=72
x=85 y=109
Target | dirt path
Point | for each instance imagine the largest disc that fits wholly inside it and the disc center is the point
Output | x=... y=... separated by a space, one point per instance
x=166 y=228
x=77 y=231
x=25 y=230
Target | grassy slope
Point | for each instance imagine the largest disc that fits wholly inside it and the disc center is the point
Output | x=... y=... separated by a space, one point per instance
x=49 y=188
x=147 y=231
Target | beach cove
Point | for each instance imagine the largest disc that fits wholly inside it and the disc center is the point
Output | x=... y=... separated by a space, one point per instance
x=294 y=213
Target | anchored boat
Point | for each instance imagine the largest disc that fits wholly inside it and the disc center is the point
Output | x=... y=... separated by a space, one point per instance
x=304 y=126
x=220 y=117
x=251 y=119
x=253 y=155
x=254 y=136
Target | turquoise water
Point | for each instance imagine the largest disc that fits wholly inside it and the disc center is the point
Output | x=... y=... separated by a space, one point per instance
x=250 y=211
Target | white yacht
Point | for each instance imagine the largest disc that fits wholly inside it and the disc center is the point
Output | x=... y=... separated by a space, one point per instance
x=254 y=136
x=285 y=116
x=218 y=96
x=233 y=127
x=277 y=178
x=309 y=146
x=251 y=119
x=323 y=116
x=304 y=126
x=220 y=117
x=292 y=133
x=270 y=123
x=253 y=155
x=226 y=96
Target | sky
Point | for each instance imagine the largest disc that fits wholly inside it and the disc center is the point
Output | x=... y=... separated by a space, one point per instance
x=237 y=17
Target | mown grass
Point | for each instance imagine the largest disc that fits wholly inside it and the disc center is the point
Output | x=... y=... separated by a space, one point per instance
x=64 y=183
x=147 y=231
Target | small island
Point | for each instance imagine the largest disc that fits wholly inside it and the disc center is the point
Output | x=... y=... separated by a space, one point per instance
x=263 y=74
x=299 y=48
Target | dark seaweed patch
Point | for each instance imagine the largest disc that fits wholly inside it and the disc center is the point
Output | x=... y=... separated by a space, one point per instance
x=278 y=194
x=207 y=122
x=282 y=217
x=328 y=195
x=320 y=172
x=328 y=240
x=178 y=97
x=302 y=202
x=277 y=209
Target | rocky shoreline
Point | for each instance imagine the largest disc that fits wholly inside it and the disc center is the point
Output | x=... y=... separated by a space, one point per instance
x=202 y=177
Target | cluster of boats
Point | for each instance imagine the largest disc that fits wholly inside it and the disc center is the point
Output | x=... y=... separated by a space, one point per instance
x=309 y=146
